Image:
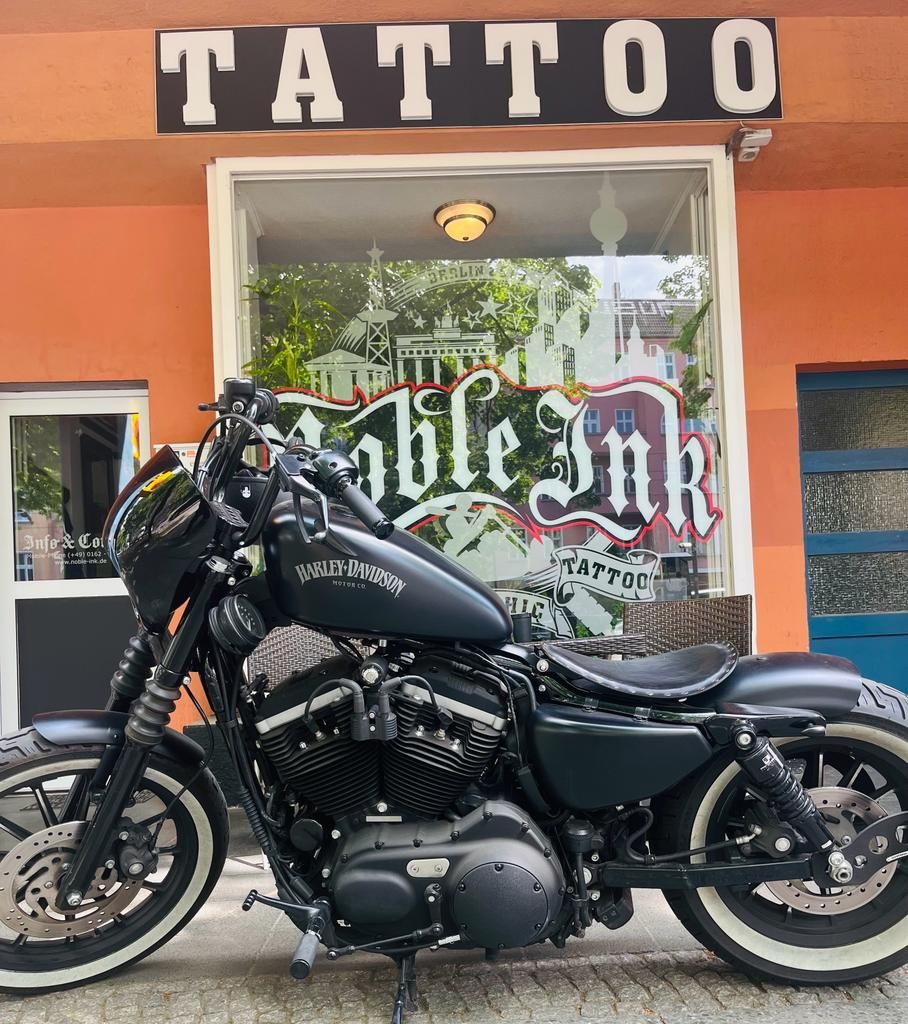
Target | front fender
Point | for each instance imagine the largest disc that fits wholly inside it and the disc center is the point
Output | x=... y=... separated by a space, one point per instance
x=815 y=682
x=108 y=728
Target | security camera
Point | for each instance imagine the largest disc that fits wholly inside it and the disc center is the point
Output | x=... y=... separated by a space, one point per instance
x=748 y=142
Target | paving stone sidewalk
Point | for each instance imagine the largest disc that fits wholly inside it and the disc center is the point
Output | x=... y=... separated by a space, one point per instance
x=228 y=967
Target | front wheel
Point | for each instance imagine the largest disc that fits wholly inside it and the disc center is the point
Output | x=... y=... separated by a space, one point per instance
x=121 y=919
x=799 y=931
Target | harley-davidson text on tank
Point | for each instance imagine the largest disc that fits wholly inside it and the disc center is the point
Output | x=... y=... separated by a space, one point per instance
x=351 y=572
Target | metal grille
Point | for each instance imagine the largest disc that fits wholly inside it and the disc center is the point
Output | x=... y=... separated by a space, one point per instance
x=287 y=650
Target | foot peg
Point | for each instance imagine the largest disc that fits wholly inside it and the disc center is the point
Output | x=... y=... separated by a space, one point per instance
x=305 y=956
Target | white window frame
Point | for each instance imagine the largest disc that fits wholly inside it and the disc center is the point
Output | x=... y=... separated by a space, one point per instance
x=594 y=419
x=102 y=402
x=623 y=414
x=224 y=174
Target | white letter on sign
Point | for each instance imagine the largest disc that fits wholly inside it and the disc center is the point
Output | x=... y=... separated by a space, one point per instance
x=198 y=108
x=729 y=95
x=413 y=41
x=305 y=43
x=522 y=38
x=618 y=93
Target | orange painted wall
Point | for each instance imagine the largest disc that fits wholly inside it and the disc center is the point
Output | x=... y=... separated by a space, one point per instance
x=111 y=293
x=822 y=276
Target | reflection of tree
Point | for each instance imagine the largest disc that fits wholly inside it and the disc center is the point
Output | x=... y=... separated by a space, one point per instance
x=302 y=308
x=690 y=280
x=38 y=483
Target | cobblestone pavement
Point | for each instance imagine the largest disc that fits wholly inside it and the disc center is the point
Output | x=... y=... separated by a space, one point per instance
x=685 y=986
x=228 y=967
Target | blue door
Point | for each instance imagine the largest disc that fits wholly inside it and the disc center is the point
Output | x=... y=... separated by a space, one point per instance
x=854 y=475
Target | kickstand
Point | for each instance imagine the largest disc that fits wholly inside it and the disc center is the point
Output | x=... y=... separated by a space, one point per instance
x=406 y=989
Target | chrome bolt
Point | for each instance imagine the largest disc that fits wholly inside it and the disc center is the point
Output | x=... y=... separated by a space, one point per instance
x=595 y=894
x=439 y=869
x=595 y=858
x=782 y=844
x=74 y=899
x=48 y=885
x=335 y=833
x=370 y=675
x=430 y=899
x=839 y=869
x=110 y=864
x=124 y=835
x=381 y=807
x=860 y=860
x=231 y=581
x=135 y=868
x=744 y=740
x=326 y=872
x=542 y=665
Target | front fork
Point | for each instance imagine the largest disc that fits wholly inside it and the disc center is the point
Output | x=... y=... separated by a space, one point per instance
x=148 y=719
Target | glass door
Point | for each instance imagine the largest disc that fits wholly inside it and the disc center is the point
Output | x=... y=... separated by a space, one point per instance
x=854 y=466
x=65 y=617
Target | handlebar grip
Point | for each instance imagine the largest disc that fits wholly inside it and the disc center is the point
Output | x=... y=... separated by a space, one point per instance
x=304 y=958
x=365 y=509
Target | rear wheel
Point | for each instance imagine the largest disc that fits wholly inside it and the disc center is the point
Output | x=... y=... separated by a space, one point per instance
x=121 y=919
x=801 y=931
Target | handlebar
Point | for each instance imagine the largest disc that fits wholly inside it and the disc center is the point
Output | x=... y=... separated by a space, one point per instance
x=365 y=509
x=241 y=409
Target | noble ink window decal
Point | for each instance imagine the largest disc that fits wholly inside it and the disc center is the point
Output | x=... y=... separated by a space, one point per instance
x=537 y=405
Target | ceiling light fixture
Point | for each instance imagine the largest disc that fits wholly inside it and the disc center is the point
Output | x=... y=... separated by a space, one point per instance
x=464 y=220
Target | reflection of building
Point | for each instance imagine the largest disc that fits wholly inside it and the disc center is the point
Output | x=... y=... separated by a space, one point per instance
x=414 y=352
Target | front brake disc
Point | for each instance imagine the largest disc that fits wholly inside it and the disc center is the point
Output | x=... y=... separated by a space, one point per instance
x=29 y=880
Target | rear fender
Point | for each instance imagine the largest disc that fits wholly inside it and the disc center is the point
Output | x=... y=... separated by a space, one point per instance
x=816 y=682
x=107 y=728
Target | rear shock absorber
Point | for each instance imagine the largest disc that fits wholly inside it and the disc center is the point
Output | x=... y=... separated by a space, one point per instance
x=769 y=771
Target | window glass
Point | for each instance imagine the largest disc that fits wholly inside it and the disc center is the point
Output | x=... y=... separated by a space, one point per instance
x=539 y=403
x=67 y=471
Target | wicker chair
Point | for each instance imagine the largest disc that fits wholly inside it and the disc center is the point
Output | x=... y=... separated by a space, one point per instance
x=671 y=625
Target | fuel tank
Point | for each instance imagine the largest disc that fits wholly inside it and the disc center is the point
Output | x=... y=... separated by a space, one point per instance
x=356 y=584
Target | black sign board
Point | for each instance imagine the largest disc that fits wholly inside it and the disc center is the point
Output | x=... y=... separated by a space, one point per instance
x=466 y=74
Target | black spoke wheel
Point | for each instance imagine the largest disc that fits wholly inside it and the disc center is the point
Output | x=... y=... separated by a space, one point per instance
x=121 y=919
x=811 y=932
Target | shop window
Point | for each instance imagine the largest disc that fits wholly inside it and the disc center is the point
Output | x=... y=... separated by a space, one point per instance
x=476 y=384
x=67 y=471
x=624 y=421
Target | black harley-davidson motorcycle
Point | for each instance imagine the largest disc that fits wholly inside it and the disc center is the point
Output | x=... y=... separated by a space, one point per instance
x=440 y=781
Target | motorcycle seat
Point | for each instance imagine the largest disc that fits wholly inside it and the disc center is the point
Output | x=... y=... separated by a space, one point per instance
x=670 y=676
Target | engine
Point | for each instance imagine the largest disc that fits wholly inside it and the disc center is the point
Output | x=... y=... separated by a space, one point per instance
x=441 y=747
x=490 y=878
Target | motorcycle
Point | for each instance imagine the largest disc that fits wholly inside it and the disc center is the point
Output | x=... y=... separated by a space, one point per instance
x=440 y=781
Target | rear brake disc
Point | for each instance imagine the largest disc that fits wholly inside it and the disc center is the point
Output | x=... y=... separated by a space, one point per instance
x=846 y=812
